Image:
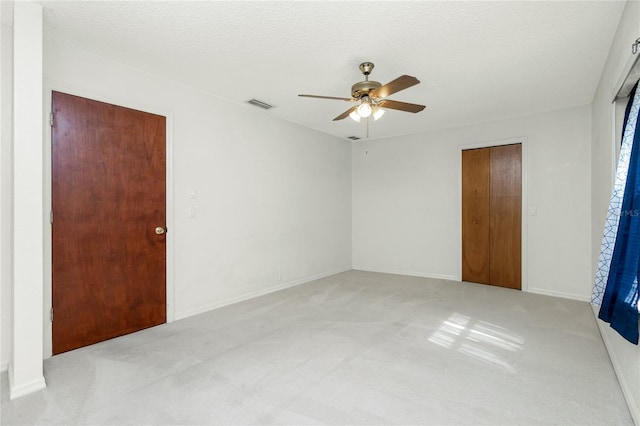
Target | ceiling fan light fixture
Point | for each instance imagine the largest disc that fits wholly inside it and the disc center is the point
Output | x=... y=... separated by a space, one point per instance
x=364 y=110
x=354 y=116
x=377 y=113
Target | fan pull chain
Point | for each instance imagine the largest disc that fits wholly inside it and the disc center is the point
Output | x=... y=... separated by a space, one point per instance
x=367 y=128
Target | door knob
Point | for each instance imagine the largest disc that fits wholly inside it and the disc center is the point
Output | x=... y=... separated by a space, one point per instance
x=160 y=230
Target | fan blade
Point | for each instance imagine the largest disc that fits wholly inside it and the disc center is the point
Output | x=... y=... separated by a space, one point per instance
x=345 y=114
x=328 y=97
x=401 y=106
x=400 y=83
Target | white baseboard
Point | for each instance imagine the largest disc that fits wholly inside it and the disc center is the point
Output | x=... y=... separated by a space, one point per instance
x=410 y=273
x=559 y=294
x=16 y=391
x=454 y=278
x=633 y=401
x=247 y=296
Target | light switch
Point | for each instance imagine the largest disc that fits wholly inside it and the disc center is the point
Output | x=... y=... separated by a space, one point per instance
x=533 y=211
x=192 y=212
x=192 y=194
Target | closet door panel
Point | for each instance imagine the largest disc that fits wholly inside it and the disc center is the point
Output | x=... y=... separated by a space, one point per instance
x=475 y=215
x=506 y=216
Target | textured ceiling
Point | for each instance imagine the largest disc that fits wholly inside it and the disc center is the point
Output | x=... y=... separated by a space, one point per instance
x=477 y=61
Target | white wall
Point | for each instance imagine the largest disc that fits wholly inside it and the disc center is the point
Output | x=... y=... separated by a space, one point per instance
x=625 y=356
x=273 y=199
x=6 y=181
x=25 y=367
x=406 y=200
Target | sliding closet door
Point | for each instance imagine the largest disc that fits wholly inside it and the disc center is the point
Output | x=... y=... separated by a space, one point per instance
x=475 y=215
x=506 y=216
x=492 y=215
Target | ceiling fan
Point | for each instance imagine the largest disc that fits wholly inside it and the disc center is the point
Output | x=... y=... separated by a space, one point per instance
x=371 y=96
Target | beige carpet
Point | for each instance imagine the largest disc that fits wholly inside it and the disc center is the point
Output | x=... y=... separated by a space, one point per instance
x=353 y=348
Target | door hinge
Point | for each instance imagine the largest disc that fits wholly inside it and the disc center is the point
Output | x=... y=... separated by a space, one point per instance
x=51 y=119
x=634 y=46
x=51 y=217
x=51 y=315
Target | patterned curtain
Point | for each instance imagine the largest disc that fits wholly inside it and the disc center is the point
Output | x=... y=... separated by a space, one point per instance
x=616 y=281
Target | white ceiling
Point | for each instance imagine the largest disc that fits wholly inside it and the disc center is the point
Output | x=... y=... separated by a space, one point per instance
x=477 y=61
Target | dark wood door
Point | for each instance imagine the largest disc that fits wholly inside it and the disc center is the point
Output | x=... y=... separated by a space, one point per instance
x=476 y=186
x=506 y=216
x=492 y=215
x=108 y=197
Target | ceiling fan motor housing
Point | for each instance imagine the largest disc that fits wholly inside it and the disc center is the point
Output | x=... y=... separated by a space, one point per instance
x=363 y=88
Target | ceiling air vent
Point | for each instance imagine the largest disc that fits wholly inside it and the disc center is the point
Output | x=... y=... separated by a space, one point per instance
x=353 y=138
x=260 y=104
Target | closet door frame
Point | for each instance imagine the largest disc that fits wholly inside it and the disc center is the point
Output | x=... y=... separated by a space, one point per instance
x=525 y=206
